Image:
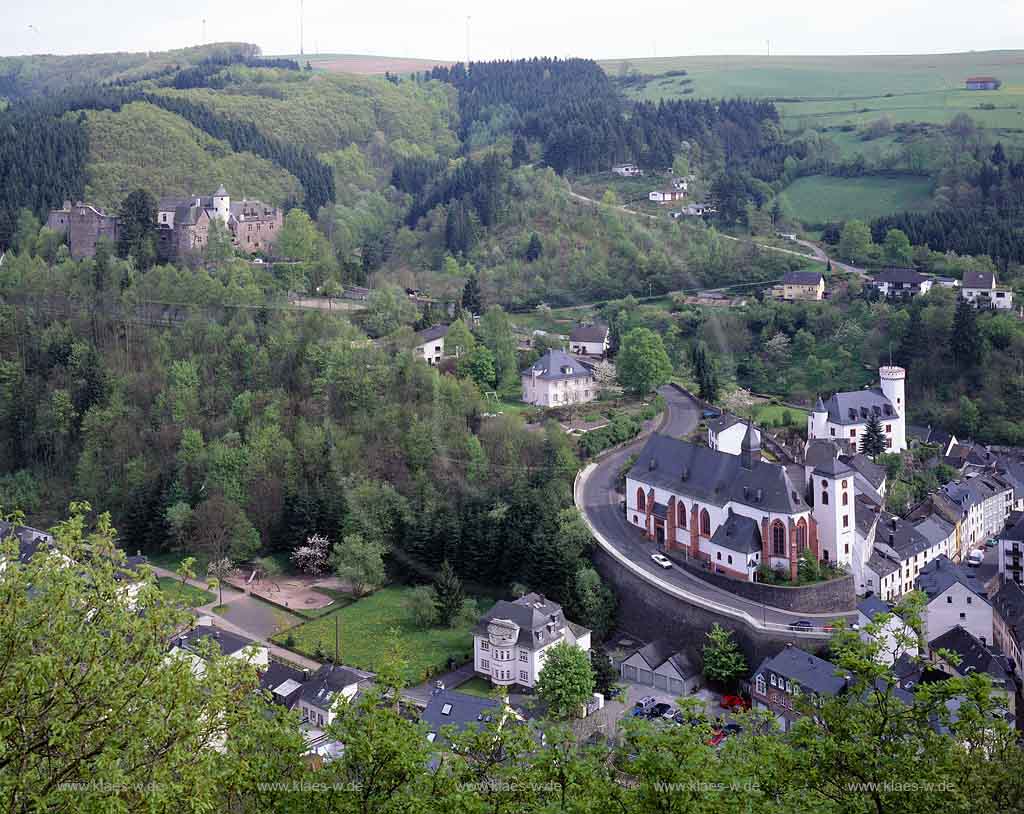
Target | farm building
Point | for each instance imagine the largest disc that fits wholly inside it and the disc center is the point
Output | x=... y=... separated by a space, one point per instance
x=982 y=83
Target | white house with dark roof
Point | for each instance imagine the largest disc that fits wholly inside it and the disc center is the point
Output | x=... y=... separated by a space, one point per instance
x=461 y=711
x=902 y=282
x=954 y=598
x=511 y=640
x=557 y=380
x=430 y=344
x=984 y=502
x=737 y=512
x=979 y=288
x=892 y=632
x=662 y=666
x=844 y=417
x=589 y=340
x=726 y=433
x=975 y=657
x=320 y=695
x=191 y=644
x=1010 y=545
x=803 y=285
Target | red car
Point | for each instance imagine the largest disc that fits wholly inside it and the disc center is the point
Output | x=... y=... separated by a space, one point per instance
x=716 y=737
x=734 y=703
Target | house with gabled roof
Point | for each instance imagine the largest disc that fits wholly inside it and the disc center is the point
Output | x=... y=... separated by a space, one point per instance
x=662 y=666
x=803 y=285
x=430 y=344
x=844 y=417
x=589 y=340
x=902 y=283
x=792 y=672
x=726 y=433
x=979 y=288
x=974 y=656
x=892 y=634
x=954 y=598
x=511 y=640
x=558 y=380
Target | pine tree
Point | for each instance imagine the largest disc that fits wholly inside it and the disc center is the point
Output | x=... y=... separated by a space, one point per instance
x=966 y=342
x=471 y=296
x=873 y=441
x=520 y=155
x=450 y=596
x=535 y=248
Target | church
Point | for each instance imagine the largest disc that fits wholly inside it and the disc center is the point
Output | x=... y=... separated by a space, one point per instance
x=739 y=512
x=844 y=417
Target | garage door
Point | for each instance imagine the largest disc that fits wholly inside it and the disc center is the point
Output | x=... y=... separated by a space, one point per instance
x=675 y=686
x=644 y=677
x=628 y=672
x=660 y=681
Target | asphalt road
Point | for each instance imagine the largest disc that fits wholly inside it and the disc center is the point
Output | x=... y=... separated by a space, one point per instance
x=601 y=504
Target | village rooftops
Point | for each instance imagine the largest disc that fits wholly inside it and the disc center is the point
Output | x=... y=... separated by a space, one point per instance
x=284 y=683
x=555 y=365
x=326 y=683
x=459 y=710
x=738 y=533
x=872 y=472
x=30 y=540
x=802 y=278
x=901 y=535
x=227 y=642
x=660 y=651
x=939 y=575
x=856 y=406
x=539 y=620
x=975 y=657
x=973 y=490
x=808 y=671
x=589 y=333
x=716 y=477
x=724 y=421
x=871 y=606
x=430 y=334
x=979 y=279
x=900 y=275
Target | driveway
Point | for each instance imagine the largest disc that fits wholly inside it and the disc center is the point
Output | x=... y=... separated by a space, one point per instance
x=599 y=501
x=259 y=618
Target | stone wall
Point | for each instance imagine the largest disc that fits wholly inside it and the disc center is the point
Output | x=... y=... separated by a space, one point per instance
x=648 y=613
x=834 y=596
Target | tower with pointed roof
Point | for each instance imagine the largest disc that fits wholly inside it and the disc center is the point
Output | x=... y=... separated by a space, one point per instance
x=222 y=204
x=750 y=449
x=818 y=420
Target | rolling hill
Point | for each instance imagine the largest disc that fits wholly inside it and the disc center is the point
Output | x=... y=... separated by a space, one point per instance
x=367 y=64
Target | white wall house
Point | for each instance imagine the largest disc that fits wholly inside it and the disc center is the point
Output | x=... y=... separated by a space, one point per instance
x=954 y=598
x=844 y=417
x=663 y=196
x=902 y=283
x=892 y=633
x=627 y=170
x=510 y=642
x=984 y=502
x=980 y=289
x=556 y=380
x=430 y=344
x=328 y=687
x=726 y=433
x=589 y=340
x=1010 y=544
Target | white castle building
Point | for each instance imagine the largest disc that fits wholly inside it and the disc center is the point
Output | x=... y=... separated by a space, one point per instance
x=844 y=417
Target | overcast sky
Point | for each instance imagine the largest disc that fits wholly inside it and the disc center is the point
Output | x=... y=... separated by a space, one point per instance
x=437 y=30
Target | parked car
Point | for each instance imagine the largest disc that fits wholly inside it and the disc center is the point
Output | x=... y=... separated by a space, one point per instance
x=975 y=558
x=670 y=714
x=734 y=703
x=659 y=710
x=662 y=560
x=732 y=729
x=800 y=624
x=681 y=719
x=643 y=706
x=991 y=542
x=716 y=737
x=613 y=692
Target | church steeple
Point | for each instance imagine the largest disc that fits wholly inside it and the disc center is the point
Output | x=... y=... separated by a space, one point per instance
x=750 y=449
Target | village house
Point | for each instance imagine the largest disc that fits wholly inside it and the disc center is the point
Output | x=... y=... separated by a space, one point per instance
x=511 y=640
x=589 y=340
x=430 y=344
x=663 y=667
x=461 y=711
x=191 y=643
x=557 y=380
x=901 y=283
x=324 y=690
x=1010 y=545
x=984 y=502
x=893 y=633
x=84 y=225
x=666 y=196
x=793 y=672
x=1008 y=624
x=803 y=285
x=979 y=288
x=726 y=433
x=975 y=657
x=982 y=83
x=844 y=417
x=737 y=512
x=901 y=549
x=627 y=170
x=954 y=598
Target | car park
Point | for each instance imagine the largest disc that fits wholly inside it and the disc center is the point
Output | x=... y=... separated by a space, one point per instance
x=658 y=710
x=643 y=706
x=661 y=560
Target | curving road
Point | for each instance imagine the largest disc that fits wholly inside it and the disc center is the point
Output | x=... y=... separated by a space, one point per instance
x=599 y=501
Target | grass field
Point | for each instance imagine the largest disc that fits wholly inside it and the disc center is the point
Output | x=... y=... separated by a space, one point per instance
x=476 y=686
x=185 y=596
x=821 y=198
x=768 y=414
x=367 y=624
x=366 y=64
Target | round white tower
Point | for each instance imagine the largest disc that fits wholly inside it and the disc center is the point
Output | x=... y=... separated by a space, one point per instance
x=893 y=381
x=818 y=421
x=222 y=204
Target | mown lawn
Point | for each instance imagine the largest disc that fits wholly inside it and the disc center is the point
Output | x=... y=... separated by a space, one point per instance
x=186 y=596
x=368 y=624
x=476 y=686
x=821 y=198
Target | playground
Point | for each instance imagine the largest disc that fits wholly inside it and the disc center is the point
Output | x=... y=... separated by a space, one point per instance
x=292 y=592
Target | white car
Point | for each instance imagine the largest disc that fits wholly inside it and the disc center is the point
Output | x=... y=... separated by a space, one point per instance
x=662 y=560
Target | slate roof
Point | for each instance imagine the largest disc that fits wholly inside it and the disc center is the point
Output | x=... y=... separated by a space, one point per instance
x=430 y=334
x=975 y=657
x=820 y=451
x=531 y=613
x=715 y=477
x=660 y=651
x=589 y=333
x=29 y=539
x=220 y=192
x=872 y=472
x=810 y=672
x=284 y=683
x=802 y=278
x=724 y=421
x=227 y=642
x=942 y=573
x=1014 y=531
x=862 y=403
x=551 y=367
x=458 y=709
x=979 y=279
x=881 y=565
x=900 y=275
x=970 y=491
x=167 y=204
x=865 y=514
x=327 y=682
x=738 y=533
x=934 y=528
x=871 y=606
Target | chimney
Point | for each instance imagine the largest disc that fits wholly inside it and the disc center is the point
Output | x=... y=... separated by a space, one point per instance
x=305 y=674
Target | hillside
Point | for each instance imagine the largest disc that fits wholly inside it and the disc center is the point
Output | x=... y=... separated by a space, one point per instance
x=366 y=64
x=144 y=146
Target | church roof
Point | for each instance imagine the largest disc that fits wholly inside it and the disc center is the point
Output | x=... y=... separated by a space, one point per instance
x=738 y=533
x=716 y=477
x=872 y=472
x=221 y=192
